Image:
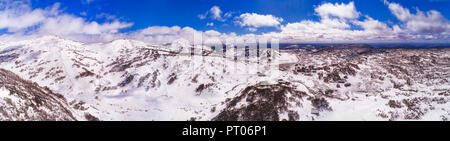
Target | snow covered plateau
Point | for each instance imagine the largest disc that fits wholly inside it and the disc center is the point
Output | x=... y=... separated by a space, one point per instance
x=50 y=78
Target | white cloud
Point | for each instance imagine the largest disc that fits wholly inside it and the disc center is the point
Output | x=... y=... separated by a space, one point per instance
x=164 y=34
x=345 y=11
x=256 y=20
x=209 y=24
x=13 y=19
x=251 y=29
x=372 y=25
x=335 y=25
x=68 y=24
x=340 y=22
x=212 y=33
x=106 y=16
x=216 y=13
x=161 y=30
x=430 y=22
x=19 y=17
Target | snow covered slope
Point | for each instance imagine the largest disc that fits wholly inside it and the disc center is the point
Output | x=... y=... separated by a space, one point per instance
x=23 y=100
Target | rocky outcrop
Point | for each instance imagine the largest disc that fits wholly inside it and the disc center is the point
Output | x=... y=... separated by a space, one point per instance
x=262 y=103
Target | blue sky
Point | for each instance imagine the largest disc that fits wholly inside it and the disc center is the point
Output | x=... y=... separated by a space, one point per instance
x=144 y=13
x=141 y=14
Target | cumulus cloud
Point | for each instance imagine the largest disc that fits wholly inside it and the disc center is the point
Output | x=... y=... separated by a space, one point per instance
x=341 y=22
x=162 y=34
x=215 y=13
x=14 y=20
x=342 y=10
x=67 y=24
x=335 y=25
x=254 y=20
x=19 y=17
x=430 y=22
x=165 y=34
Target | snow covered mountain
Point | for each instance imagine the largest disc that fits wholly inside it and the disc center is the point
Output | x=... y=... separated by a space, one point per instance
x=132 y=80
